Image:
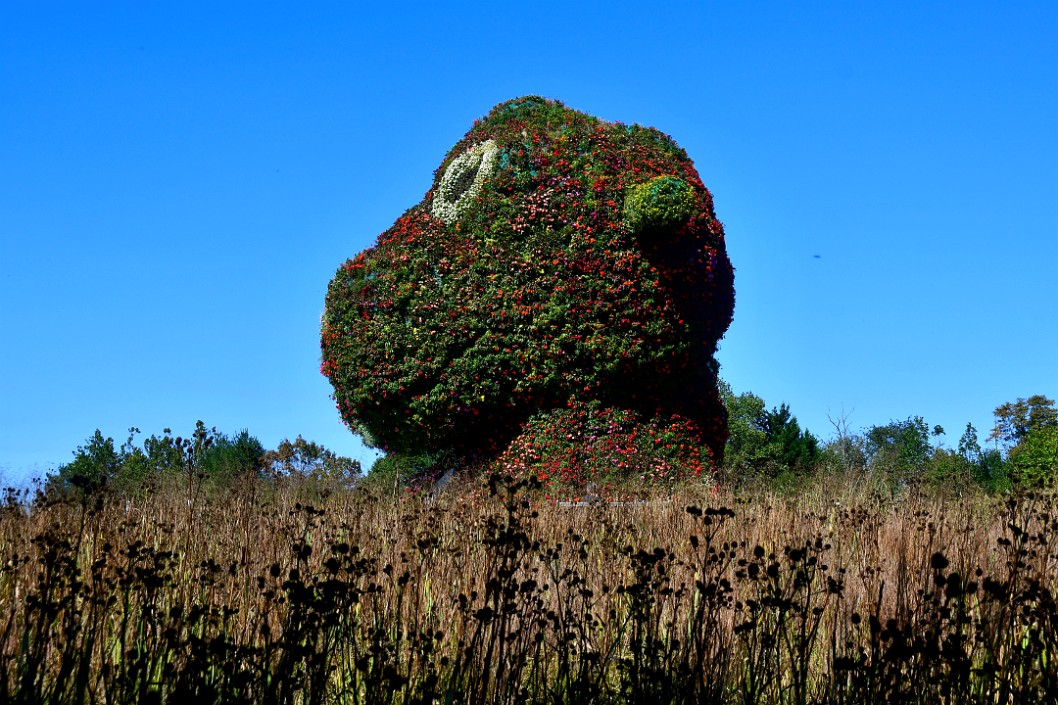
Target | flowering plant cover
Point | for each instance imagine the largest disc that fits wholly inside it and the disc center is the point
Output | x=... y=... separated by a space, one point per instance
x=561 y=270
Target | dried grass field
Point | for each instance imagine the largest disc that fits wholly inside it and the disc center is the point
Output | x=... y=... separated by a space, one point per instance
x=291 y=593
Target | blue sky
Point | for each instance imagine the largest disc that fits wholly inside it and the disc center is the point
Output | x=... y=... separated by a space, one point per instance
x=179 y=182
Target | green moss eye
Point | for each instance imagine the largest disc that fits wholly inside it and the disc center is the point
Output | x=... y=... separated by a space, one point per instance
x=662 y=202
x=462 y=180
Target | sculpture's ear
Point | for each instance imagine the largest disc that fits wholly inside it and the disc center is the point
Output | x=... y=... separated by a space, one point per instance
x=462 y=180
x=661 y=203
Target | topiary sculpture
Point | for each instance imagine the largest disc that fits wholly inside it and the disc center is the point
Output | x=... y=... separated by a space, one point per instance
x=561 y=269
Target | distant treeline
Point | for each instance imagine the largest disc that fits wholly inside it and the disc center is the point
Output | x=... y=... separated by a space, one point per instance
x=766 y=446
x=206 y=458
x=770 y=446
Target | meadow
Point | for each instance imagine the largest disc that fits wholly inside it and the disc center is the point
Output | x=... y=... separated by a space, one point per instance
x=294 y=592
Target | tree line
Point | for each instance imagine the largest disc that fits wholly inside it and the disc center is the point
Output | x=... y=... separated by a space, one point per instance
x=765 y=445
x=203 y=459
x=769 y=445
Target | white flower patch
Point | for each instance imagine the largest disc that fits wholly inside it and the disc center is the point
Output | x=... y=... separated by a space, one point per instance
x=462 y=180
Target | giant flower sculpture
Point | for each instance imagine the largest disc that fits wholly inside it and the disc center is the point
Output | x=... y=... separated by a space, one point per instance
x=564 y=277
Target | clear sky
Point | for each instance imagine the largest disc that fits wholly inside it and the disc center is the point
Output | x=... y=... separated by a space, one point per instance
x=179 y=182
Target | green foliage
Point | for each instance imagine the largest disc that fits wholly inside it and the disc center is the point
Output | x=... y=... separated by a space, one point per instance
x=790 y=445
x=969 y=448
x=517 y=288
x=765 y=443
x=231 y=456
x=395 y=470
x=204 y=457
x=1028 y=428
x=305 y=459
x=1015 y=420
x=992 y=471
x=663 y=202
x=844 y=454
x=986 y=467
x=1034 y=461
x=94 y=465
x=899 y=454
x=901 y=448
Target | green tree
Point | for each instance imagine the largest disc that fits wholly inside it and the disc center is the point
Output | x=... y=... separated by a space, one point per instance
x=764 y=442
x=229 y=457
x=95 y=464
x=159 y=456
x=1028 y=430
x=900 y=447
x=746 y=436
x=787 y=443
x=1015 y=420
x=993 y=471
x=969 y=448
x=984 y=465
x=1034 y=461
x=301 y=458
x=204 y=455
